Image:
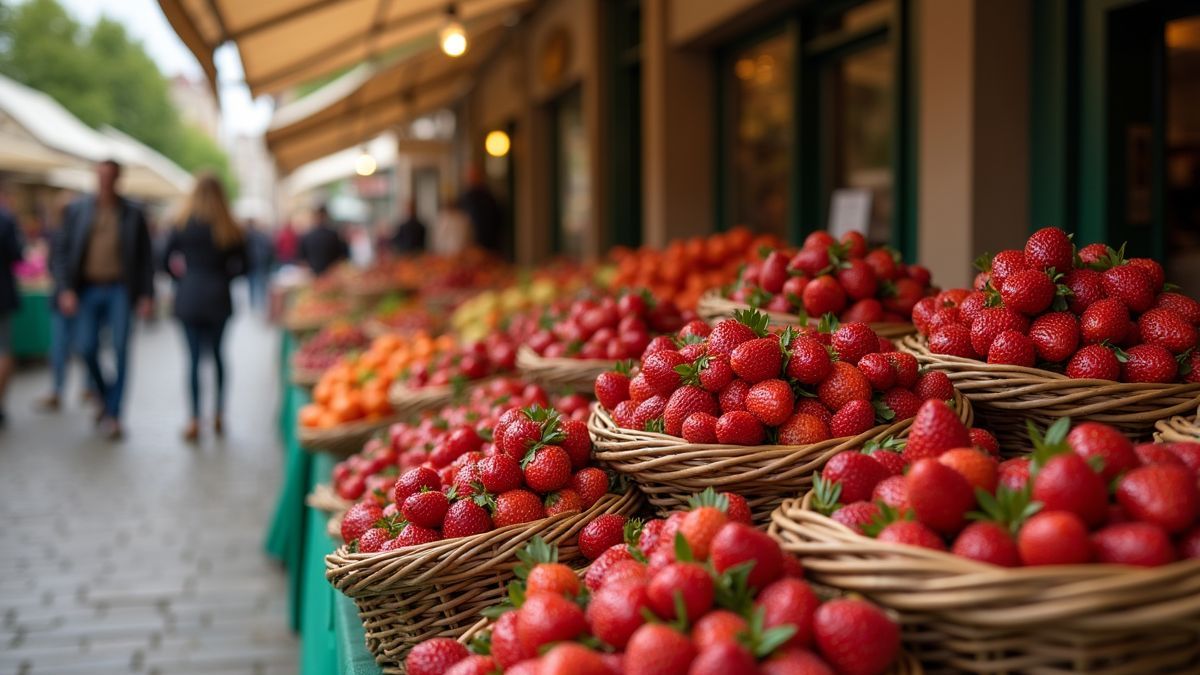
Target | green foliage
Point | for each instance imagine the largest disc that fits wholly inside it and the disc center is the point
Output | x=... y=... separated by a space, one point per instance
x=103 y=76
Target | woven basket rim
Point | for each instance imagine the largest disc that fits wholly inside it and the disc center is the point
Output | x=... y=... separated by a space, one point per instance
x=713 y=305
x=355 y=428
x=529 y=359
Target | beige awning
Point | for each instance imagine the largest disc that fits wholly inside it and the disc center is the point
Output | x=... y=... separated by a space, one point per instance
x=371 y=99
x=283 y=43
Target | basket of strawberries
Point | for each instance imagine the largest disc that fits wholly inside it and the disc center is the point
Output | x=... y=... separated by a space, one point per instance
x=433 y=381
x=447 y=544
x=701 y=592
x=325 y=349
x=1026 y=565
x=739 y=408
x=1048 y=333
x=846 y=279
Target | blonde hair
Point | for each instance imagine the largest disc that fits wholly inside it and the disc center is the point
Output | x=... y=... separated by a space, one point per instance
x=207 y=204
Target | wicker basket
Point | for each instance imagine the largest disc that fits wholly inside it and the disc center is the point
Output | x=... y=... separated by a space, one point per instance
x=302 y=377
x=577 y=375
x=713 y=307
x=408 y=402
x=1184 y=429
x=1005 y=397
x=965 y=616
x=439 y=589
x=669 y=470
x=323 y=498
x=345 y=439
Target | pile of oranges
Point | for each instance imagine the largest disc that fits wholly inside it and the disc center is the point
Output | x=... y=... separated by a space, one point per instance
x=686 y=269
x=356 y=387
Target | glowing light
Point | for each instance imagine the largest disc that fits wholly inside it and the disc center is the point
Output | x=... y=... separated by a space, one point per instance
x=365 y=165
x=497 y=143
x=453 y=39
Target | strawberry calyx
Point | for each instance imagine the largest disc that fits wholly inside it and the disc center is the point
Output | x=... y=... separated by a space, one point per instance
x=758 y=298
x=732 y=588
x=761 y=641
x=754 y=320
x=1048 y=445
x=992 y=297
x=481 y=643
x=655 y=426
x=883 y=412
x=535 y=553
x=1061 y=291
x=709 y=497
x=625 y=367
x=690 y=372
x=689 y=339
x=1008 y=507
x=984 y=262
x=828 y=323
x=1184 y=360
x=889 y=444
x=886 y=516
x=826 y=495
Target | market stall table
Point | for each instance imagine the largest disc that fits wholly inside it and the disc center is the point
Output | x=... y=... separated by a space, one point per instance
x=31 y=323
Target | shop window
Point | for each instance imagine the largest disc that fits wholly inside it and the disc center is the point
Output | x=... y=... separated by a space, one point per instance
x=572 y=175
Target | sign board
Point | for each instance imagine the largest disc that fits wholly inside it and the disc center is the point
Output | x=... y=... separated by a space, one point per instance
x=849 y=211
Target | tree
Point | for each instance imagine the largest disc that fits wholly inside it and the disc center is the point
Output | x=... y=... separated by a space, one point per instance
x=102 y=76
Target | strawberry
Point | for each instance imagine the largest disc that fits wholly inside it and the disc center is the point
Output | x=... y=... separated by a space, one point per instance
x=1142 y=544
x=695 y=327
x=563 y=501
x=867 y=310
x=737 y=510
x=569 y=658
x=1191 y=368
x=1066 y=482
x=934 y=384
x=757 y=360
x=940 y=497
x=413 y=481
x=658 y=344
x=823 y=295
x=657 y=649
x=546 y=618
x=1168 y=329
x=902 y=296
x=793 y=661
x=699 y=527
x=811 y=406
x=790 y=602
x=465 y=518
x=911 y=533
x=360 y=518
x=740 y=428
x=808 y=361
x=1187 y=452
x=590 y=483
x=552 y=578
x=415 y=535
x=853 y=341
x=988 y=542
x=576 y=441
x=736 y=543
x=1013 y=473
x=1054 y=538
x=844 y=383
x=883 y=262
x=547 y=468
x=1154 y=453
x=624 y=413
x=649 y=410
x=733 y=396
x=902 y=402
x=934 y=430
x=857 y=515
x=1181 y=304
x=991 y=322
x=803 y=429
x=811 y=259
x=1094 y=362
x=659 y=371
x=1093 y=253
x=923 y=311
x=516 y=437
x=1163 y=494
x=640 y=389
x=506 y=645
x=1114 y=451
x=976 y=466
x=730 y=333
x=878 y=370
x=1049 y=247
x=500 y=473
x=841 y=628
x=853 y=419
x=684 y=402
x=604 y=564
x=971 y=306
x=517 y=506
x=1149 y=363
x=715 y=372
x=984 y=440
x=1013 y=348
x=856 y=472
x=892 y=491
x=1055 y=336
x=720 y=625
x=888 y=455
x=426 y=508
x=615 y=612
x=1105 y=320
x=857 y=279
x=700 y=428
x=611 y=388
x=1130 y=284
x=1029 y=292
x=687 y=580
x=600 y=534
x=1006 y=263
x=434 y=656
x=770 y=401
x=1086 y=287
x=374 y=539
x=1152 y=269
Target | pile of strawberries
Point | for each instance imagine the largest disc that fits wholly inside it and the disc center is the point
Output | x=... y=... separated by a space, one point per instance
x=700 y=593
x=1091 y=314
x=373 y=470
x=535 y=464
x=496 y=354
x=329 y=345
x=736 y=383
x=604 y=328
x=944 y=489
x=830 y=277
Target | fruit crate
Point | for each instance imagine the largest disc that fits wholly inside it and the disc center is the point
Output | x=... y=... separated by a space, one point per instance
x=1005 y=396
x=960 y=615
x=560 y=373
x=669 y=470
x=439 y=589
x=714 y=307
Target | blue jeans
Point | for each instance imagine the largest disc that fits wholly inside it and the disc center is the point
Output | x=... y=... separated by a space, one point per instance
x=105 y=306
x=205 y=338
x=62 y=336
x=257 y=282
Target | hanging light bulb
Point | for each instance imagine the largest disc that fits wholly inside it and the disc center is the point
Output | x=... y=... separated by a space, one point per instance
x=496 y=143
x=365 y=165
x=452 y=36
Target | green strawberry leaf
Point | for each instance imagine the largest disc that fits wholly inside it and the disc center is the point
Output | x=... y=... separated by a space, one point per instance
x=828 y=323
x=683 y=550
x=732 y=588
x=709 y=497
x=481 y=644
x=655 y=426
x=754 y=320
x=883 y=412
x=984 y=262
x=826 y=495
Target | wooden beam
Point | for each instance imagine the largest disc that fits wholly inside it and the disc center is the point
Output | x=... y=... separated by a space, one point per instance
x=281 y=18
x=216 y=12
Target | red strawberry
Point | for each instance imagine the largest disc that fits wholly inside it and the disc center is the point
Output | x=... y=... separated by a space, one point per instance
x=648 y=410
x=1054 y=538
x=903 y=295
x=811 y=406
x=374 y=539
x=738 y=510
x=659 y=371
x=878 y=370
x=1029 y=292
x=923 y=311
x=615 y=612
x=569 y=658
x=576 y=442
x=547 y=469
x=1094 y=362
x=883 y=262
x=1168 y=329
x=774 y=272
x=1013 y=473
x=790 y=602
x=1140 y=544
x=857 y=515
x=434 y=656
x=736 y=543
x=857 y=279
x=360 y=518
x=939 y=496
x=602 y=533
x=624 y=413
x=413 y=480
x=733 y=396
x=757 y=360
x=1067 y=483
x=1049 y=247
x=857 y=473
x=892 y=491
x=500 y=473
x=853 y=419
x=546 y=618
x=978 y=467
x=991 y=322
x=552 y=578
x=465 y=518
x=1187 y=452
x=688 y=580
x=1162 y=494
x=506 y=645
x=590 y=483
x=1105 y=320
x=934 y=384
x=823 y=295
x=971 y=306
x=699 y=427
x=841 y=628
x=414 y=535
x=987 y=542
x=718 y=626
x=658 y=344
x=740 y=428
x=1055 y=336
x=1152 y=269
x=891 y=460
x=1130 y=284
x=1149 y=363
x=906 y=368
x=563 y=501
x=517 y=506
x=854 y=340
x=845 y=383
x=1086 y=286
x=934 y=430
x=1005 y=264
x=770 y=401
x=809 y=361
x=715 y=372
x=1093 y=253
x=984 y=440
x=1114 y=450
x=911 y=533
x=598 y=572
x=1181 y=304
x=727 y=335
x=804 y=429
x=1192 y=367
x=867 y=310
x=518 y=435
x=640 y=389
x=657 y=649
x=1154 y=453
x=427 y=508
x=1013 y=348
x=684 y=402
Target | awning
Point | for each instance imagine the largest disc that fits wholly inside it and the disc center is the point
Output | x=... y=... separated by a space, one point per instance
x=371 y=99
x=19 y=154
x=283 y=43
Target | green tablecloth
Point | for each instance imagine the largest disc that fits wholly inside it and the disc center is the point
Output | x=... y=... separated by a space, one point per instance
x=31 y=324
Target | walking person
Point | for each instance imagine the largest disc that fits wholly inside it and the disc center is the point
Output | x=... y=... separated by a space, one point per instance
x=260 y=256
x=104 y=270
x=10 y=255
x=322 y=246
x=204 y=253
x=409 y=238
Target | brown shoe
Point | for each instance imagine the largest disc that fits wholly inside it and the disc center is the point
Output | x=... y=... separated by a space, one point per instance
x=191 y=433
x=218 y=426
x=111 y=430
x=48 y=404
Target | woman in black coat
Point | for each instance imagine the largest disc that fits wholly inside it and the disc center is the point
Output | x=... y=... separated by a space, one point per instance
x=203 y=254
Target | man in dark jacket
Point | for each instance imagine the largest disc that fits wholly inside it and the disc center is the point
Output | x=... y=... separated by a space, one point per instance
x=104 y=270
x=410 y=235
x=322 y=246
x=10 y=254
x=480 y=205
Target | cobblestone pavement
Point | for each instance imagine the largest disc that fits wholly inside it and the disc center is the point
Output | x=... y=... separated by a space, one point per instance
x=145 y=555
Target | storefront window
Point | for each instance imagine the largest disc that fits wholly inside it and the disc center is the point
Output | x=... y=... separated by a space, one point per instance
x=761 y=134
x=572 y=175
